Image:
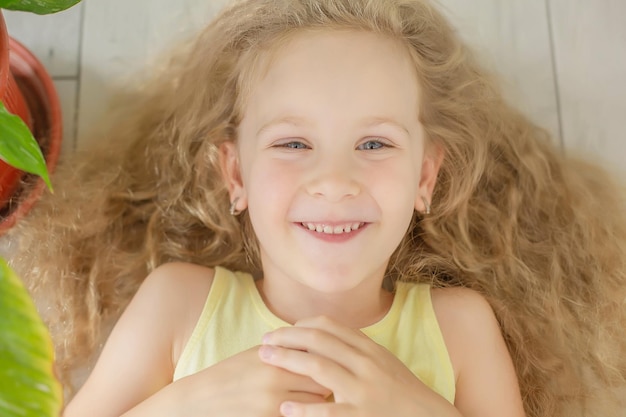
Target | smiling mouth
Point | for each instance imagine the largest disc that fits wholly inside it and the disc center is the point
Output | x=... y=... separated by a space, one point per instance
x=336 y=229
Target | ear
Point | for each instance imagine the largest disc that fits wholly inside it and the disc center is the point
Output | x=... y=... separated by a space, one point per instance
x=431 y=163
x=231 y=172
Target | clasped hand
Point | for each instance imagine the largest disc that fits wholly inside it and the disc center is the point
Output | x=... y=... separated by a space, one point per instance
x=364 y=377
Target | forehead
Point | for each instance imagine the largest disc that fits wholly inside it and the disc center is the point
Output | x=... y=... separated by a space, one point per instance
x=348 y=71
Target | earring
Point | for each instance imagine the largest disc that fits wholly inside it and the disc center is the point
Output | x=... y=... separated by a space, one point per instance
x=426 y=205
x=233 y=207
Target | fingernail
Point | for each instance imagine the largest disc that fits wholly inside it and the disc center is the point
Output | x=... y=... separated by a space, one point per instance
x=265 y=352
x=286 y=409
x=266 y=338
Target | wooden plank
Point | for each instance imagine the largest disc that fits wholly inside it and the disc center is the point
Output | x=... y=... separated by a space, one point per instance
x=116 y=44
x=512 y=39
x=590 y=56
x=67 y=90
x=122 y=37
x=53 y=39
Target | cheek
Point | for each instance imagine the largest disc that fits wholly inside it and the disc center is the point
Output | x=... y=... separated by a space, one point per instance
x=268 y=187
x=398 y=181
x=395 y=191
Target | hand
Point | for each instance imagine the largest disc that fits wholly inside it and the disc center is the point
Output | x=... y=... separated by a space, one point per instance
x=366 y=379
x=244 y=386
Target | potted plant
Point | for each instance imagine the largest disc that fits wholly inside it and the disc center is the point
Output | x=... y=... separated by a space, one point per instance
x=28 y=387
x=27 y=91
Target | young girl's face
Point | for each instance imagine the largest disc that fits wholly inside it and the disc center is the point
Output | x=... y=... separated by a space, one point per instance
x=331 y=160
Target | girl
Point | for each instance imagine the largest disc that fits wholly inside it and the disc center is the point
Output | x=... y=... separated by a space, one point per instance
x=350 y=155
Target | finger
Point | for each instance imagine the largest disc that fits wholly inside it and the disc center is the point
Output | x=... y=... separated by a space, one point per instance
x=295 y=409
x=305 y=398
x=295 y=382
x=322 y=370
x=304 y=338
x=305 y=383
x=269 y=403
x=350 y=336
x=353 y=351
x=315 y=341
x=366 y=352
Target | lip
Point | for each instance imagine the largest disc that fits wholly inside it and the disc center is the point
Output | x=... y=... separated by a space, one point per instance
x=333 y=238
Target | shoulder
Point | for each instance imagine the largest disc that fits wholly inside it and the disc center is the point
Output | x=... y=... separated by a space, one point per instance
x=456 y=304
x=176 y=285
x=178 y=277
x=482 y=364
x=462 y=312
x=465 y=318
x=176 y=292
x=146 y=338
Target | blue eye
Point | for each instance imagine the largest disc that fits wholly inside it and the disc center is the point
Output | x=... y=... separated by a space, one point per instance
x=292 y=145
x=371 y=145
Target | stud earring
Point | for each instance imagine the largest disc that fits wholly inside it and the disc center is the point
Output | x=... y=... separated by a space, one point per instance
x=233 y=207
x=426 y=205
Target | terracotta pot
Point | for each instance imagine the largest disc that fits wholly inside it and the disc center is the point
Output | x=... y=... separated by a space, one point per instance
x=27 y=90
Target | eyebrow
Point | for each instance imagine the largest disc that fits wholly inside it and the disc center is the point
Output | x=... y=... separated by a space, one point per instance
x=377 y=121
x=287 y=120
x=303 y=121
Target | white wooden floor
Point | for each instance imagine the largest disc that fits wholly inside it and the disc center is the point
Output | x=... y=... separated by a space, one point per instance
x=563 y=62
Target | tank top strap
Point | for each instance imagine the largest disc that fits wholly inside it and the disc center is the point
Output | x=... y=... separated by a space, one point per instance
x=411 y=332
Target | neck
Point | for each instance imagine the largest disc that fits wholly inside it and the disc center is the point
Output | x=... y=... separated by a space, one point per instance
x=355 y=308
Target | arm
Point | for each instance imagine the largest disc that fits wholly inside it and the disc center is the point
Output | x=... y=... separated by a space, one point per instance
x=486 y=379
x=139 y=357
x=133 y=376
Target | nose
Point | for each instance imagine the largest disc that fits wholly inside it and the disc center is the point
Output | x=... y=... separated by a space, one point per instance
x=333 y=180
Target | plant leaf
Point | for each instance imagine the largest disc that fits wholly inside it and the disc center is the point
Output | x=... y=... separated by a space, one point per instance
x=19 y=148
x=38 y=6
x=28 y=387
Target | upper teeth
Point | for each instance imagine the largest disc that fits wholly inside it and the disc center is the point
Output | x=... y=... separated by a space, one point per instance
x=322 y=228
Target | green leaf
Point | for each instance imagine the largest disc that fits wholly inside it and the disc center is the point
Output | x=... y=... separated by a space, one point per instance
x=28 y=387
x=38 y=6
x=19 y=148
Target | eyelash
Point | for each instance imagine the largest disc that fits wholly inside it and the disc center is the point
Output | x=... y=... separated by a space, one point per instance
x=292 y=145
x=288 y=145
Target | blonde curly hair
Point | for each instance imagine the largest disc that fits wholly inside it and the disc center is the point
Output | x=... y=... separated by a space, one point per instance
x=540 y=235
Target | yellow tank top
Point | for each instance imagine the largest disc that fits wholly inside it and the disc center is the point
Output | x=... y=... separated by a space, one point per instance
x=234 y=319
